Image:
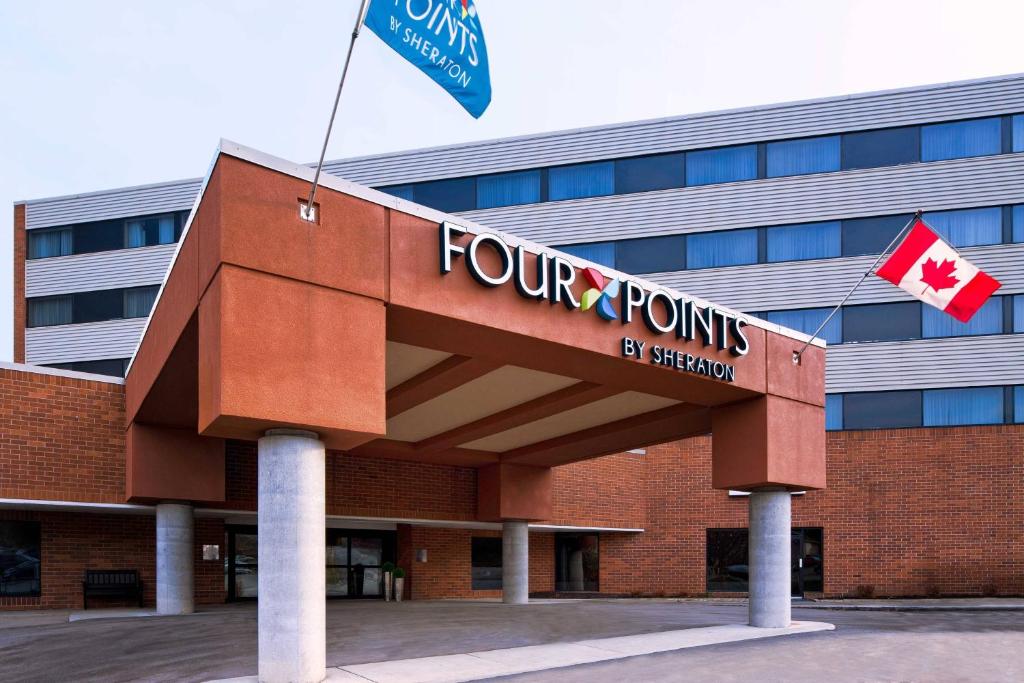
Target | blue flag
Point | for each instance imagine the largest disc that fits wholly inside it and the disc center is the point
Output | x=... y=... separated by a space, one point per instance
x=444 y=39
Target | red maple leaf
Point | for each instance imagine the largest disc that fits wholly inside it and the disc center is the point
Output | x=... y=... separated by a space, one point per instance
x=938 y=275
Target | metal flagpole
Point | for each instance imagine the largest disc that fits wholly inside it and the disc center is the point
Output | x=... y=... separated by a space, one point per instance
x=310 y=216
x=797 y=354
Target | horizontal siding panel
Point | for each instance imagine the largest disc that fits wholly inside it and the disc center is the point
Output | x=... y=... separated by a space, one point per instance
x=121 y=203
x=925 y=364
x=810 y=284
x=932 y=186
x=86 y=341
x=101 y=270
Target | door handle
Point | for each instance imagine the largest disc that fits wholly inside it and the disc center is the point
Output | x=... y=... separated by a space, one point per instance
x=800 y=562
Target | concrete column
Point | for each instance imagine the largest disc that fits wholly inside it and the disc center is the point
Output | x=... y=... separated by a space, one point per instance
x=175 y=571
x=770 y=571
x=292 y=582
x=515 y=563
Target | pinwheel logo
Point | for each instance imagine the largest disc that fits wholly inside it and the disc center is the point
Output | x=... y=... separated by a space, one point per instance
x=599 y=296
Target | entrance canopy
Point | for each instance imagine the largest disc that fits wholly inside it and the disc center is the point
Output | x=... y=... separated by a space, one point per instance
x=396 y=331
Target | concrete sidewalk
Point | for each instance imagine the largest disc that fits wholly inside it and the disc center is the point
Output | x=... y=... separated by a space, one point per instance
x=472 y=666
x=918 y=605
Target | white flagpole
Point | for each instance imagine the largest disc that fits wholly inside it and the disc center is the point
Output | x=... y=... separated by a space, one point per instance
x=797 y=354
x=309 y=215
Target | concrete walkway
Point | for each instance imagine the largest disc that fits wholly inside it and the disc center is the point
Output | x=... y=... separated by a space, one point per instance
x=472 y=666
x=919 y=605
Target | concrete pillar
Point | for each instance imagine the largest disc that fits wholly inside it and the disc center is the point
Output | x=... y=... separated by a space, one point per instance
x=292 y=579
x=770 y=571
x=175 y=571
x=515 y=563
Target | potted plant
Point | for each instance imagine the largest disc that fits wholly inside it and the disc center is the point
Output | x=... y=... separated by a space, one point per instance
x=399 y=583
x=387 y=569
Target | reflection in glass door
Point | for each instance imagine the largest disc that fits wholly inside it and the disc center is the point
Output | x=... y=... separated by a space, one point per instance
x=242 y=563
x=808 y=560
x=577 y=563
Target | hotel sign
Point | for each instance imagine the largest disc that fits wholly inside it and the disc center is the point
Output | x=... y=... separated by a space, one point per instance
x=552 y=277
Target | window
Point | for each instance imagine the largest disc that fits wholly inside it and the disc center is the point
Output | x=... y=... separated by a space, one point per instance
x=50 y=310
x=144 y=232
x=807 y=320
x=882 y=322
x=796 y=157
x=978 y=405
x=727 y=560
x=598 y=252
x=802 y=242
x=987 y=320
x=114 y=367
x=721 y=165
x=1018 y=313
x=1018 y=133
x=584 y=180
x=99 y=236
x=455 y=194
x=882 y=409
x=90 y=307
x=577 y=563
x=886 y=147
x=833 y=412
x=1018 y=404
x=651 y=254
x=400 y=191
x=138 y=301
x=1018 y=223
x=714 y=249
x=47 y=243
x=960 y=139
x=486 y=570
x=871 y=235
x=968 y=227
x=643 y=174
x=19 y=559
x=508 y=189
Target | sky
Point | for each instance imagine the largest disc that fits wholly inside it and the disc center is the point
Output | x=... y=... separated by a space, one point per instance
x=108 y=93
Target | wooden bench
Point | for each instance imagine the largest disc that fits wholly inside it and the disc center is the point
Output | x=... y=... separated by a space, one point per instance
x=119 y=583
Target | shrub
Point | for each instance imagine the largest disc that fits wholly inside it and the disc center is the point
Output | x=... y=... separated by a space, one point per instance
x=399 y=573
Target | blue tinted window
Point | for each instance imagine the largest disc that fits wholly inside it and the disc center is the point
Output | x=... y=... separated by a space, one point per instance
x=598 y=252
x=721 y=165
x=796 y=157
x=968 y=227
x=886 y=147
x=585 y=180
x=801 y=242
x=807 y=320
x=882 y=409
x=1018 y=133
x=651 y=254
x=978 y=405
x=1018 y=404
x=1018 y=223
x=1018 y=313
x=643 y=174
x=456 y=194
x=987 y=320
x=882 y=322
x=714 y=249
x=507 y=189
x=400 y=191
x=833 y=412
x=47 y=243
x=960 y=139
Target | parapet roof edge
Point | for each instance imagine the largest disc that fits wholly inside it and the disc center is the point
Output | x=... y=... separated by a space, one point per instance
x=59 y=372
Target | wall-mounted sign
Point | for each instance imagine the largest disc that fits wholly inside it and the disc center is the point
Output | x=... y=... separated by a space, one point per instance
x=550 y=277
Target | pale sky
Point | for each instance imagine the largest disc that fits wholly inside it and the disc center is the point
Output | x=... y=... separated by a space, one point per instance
x=102 y=94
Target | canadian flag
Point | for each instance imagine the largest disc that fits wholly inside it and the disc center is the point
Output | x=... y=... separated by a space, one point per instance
x=929 y=269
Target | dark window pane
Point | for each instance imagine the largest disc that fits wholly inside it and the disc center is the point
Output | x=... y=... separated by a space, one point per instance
x=976 y=405
x=714 y=249
x=987 y=320
x=107 y=304
x=721 y=165
x=598 y=252
x=968 y=227
x=651 y=254
x=810 y=549
x=643 y=174
x=113 y=367
x=584 y=180
x=882 y=409
x=882 y=322
x=48 y=243
x=1018 y=133
x=797 y=157
x=50 y=310
x=871 y=235
x=486 y=563
x=457 y=194
x=101 y=236
x=576 y=563
x=19 y=559
x=802 y=242
x=960 y=139
x=507 y=189
x=400 y=191
x=807 y=320
x=727 y=560
x=886 y=147
x=833 y=412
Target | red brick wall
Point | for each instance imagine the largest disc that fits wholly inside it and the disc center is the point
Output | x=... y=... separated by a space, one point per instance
x=61 y=438
x=19 y=254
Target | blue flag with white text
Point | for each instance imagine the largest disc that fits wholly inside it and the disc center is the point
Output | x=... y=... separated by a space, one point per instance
x=443 y=38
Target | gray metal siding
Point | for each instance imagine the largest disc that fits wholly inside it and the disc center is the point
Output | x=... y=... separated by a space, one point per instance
x=102 y=270
x=809 y=284
x=87 y=341
x=925 y=364
x=120 y=203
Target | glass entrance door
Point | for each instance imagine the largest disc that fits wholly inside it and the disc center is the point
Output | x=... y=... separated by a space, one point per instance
x=577 y=563
x=807 y=558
